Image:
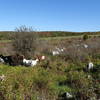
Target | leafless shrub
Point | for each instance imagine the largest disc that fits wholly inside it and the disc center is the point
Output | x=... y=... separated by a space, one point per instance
x=25 y=41
x=75 y=53
x=94 y=46
x=6 y=49
x=82 y=51
x=43 y=47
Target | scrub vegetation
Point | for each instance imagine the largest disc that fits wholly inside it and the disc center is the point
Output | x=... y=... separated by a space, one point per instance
x=58 y=74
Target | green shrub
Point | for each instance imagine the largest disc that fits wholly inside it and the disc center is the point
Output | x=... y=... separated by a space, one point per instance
x=85 y=36
x=82 y=85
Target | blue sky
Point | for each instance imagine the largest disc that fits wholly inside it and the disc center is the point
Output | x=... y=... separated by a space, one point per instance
x=50 y=15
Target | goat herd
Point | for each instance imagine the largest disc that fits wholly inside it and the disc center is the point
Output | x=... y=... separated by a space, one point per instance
x=17 y=59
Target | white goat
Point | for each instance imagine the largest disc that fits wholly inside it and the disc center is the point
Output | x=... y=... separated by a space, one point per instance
x=57 y=51
x=85 y=46
x=1 y=60
x=2 y=77
x=68 y=95
x=30 y=62
x=43 y=58
x=90 y=66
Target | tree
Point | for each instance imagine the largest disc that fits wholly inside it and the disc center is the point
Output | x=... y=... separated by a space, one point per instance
x=25 y=41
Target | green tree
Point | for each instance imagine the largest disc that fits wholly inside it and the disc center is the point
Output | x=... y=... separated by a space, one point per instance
x=85 y=36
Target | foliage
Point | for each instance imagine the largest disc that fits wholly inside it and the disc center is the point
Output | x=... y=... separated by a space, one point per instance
x=41 y=82
x=85 y=37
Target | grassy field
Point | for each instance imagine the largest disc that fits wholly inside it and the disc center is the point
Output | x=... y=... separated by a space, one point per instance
x=55 y=38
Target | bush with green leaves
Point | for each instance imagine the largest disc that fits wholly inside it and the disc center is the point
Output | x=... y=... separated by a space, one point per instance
x=85 y=36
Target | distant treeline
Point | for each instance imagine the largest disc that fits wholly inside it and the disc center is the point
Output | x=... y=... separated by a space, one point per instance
x=62 y=33
x=5 y=35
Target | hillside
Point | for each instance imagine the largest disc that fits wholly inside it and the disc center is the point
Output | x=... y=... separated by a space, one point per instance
x=4 y=35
